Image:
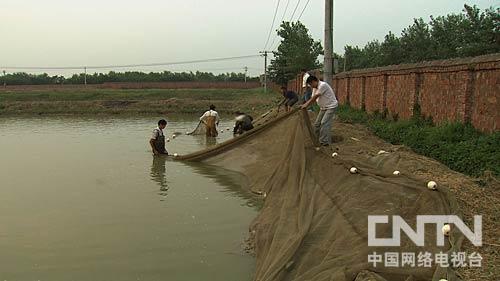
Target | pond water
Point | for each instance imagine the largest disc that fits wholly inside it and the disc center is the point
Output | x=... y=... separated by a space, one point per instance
x=84 y=199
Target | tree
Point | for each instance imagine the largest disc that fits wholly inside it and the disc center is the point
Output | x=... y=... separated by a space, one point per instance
x=297 y=51
x=471 y=33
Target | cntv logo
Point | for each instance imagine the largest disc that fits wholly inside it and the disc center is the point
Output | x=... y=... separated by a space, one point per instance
x=418 y=236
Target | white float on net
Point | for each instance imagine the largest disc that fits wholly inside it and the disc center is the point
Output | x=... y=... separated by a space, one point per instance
x=353 y=170
x=396 y=173
x=432 y=185
x=446 y=229
x=335 y=154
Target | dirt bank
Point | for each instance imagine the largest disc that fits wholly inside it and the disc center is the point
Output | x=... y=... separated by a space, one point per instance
x=138 y=101
x=474 y=198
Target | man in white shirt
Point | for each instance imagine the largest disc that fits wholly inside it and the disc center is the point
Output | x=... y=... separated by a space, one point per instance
x=325 y=97
x=306 y=89
x=211 y=121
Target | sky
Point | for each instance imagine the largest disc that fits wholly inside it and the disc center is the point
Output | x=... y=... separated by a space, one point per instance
x=115 y=32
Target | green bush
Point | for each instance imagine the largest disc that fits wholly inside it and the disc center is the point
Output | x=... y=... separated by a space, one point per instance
x=459 y=146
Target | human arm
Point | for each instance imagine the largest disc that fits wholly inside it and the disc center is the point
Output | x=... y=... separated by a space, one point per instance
x=311 y=100
x=153 y=148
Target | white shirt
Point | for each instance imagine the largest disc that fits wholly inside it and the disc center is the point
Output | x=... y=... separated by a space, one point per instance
x=210 y=113
x=327 y=98
x=157 y=132
x=304 y=80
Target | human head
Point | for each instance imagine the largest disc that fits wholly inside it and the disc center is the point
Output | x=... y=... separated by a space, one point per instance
x=303 y=71
x=162 y=124
x=238 y=113
x=283 y=89
x=212 y=107
x=312 y=81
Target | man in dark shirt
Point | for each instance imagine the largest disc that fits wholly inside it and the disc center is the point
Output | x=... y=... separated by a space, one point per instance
x=289 y=99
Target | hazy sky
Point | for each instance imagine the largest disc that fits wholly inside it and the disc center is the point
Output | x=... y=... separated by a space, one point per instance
x=108 y=32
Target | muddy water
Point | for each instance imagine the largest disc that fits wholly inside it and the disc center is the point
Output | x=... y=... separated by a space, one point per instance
x=83 y=199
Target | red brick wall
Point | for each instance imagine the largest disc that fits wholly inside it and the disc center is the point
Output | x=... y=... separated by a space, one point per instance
x=443 y=96
x=463 y=90
x=401 y=95
x=485 y=108
x=356 y=92
x=342 y=90
x=374 y=94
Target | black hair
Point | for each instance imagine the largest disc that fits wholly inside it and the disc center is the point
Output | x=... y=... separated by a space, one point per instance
x=283 y=88
x=311 y=78
x=212 y=107
x=303 y=70
x=162 y=122
x=238 y=113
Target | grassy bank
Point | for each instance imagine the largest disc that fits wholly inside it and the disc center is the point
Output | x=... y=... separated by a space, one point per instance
x=142 y=101
x=459 y=146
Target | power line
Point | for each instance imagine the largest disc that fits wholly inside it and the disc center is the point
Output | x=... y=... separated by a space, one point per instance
x=282 y=18
x=126 y=65
x=286 y=9
x=272 y=25
x=295 y=10
x=303 y=10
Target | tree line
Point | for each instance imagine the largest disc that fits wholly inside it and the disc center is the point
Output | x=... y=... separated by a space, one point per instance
x=23 y=78
x=470 y=33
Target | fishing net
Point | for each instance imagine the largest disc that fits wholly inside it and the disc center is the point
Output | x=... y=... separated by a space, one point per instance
x=313 y=223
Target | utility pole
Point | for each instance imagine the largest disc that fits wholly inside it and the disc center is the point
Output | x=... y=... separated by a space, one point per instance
x=246 y=71
x=328 y=63
x=4 y=81
x=264 y=53
x=85 y=76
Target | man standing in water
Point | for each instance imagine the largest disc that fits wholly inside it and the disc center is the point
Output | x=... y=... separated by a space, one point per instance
x=211 y=121
x=325 y=97
x=157 y=140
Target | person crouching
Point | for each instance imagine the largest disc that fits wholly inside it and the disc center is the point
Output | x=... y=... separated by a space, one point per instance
x=243 y=123
x=289 y=99
x=211 y=121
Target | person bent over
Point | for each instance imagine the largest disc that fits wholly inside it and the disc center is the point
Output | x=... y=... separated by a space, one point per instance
x=325 y=97
x=211 y=121
x=290 y=98
x=243 y=123
x=157 y=140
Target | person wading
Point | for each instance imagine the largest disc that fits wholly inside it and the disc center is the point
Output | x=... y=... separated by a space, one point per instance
x=211 y=121
x=157 y=140
x=327 y=101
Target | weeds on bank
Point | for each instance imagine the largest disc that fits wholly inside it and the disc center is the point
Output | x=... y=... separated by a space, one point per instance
x=459 y=146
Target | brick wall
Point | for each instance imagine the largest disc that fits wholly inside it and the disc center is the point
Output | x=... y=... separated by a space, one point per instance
x=375 y=100
x=356 y=92
x=401 y=95
x=463 y=90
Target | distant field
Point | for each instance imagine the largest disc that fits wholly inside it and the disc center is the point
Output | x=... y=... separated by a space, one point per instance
x=144 y=101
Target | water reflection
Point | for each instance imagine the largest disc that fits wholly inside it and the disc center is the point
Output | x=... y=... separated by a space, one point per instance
x=159 y=174
x=233 y=182
x=205 y=141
